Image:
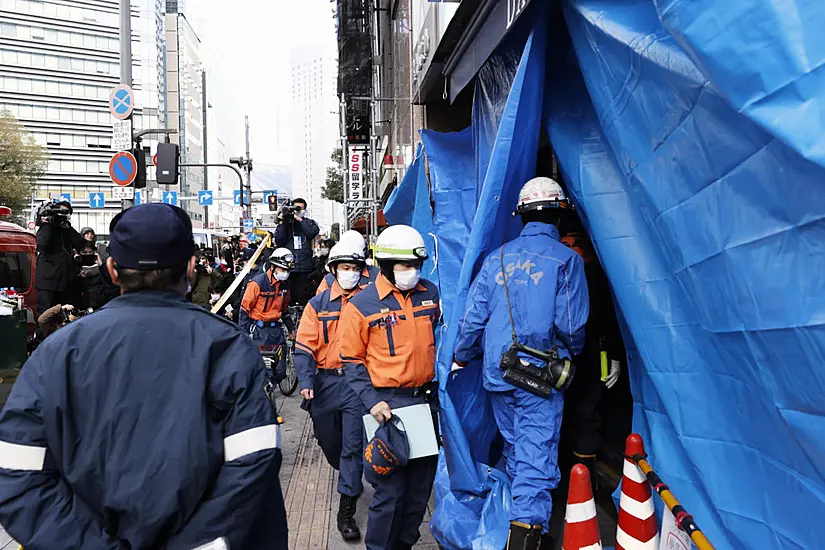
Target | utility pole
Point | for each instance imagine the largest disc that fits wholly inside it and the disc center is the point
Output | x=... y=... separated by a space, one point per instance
x=126 y=61
x=248 y=171
x=205 y=106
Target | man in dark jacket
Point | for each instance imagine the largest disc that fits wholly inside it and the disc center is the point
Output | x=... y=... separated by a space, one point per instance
x=296 y=232
x=144 y=425
x=56 y=273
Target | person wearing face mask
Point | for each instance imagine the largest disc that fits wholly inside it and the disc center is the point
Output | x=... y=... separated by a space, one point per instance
x=91 y=283
x=368 y=274
x=387 y=339
x=144 y=425
x=321 y=259
x=296 y=232
x=335 y=409
x=265 y=300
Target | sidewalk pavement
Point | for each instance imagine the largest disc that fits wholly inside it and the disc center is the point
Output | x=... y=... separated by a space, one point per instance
x=309 y=486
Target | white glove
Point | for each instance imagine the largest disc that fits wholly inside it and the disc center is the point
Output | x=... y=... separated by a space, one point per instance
x=456 y=367
x=613 y=375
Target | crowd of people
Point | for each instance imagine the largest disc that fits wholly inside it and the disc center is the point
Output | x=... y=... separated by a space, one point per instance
x=146 y=425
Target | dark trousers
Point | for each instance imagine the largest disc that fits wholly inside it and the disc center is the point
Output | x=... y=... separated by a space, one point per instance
x=337 y=416
x=582 y=423
x=272 y=336
x=299 y=287
x=400 y=500
x=49 y=298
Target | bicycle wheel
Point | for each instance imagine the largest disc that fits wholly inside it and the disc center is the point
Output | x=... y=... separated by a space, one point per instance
x=289 y=384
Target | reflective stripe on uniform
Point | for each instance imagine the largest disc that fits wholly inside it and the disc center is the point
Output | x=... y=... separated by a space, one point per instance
x=22 y=457
x=217 y=544
x=251 y=441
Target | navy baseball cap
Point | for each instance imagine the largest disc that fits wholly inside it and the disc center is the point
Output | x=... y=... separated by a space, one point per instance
x=387 y=451
x=151 y=236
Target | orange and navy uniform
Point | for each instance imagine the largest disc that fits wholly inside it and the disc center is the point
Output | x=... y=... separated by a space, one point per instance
x=265 y=300
x=316 y=345
x=387 y=339
x=368 y=276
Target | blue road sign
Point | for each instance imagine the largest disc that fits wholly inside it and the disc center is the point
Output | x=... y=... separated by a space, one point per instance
x=236 y=197
x=121 y=102
x=267 y=194
x=248 y=223
x=67 y=197
x=138 y=197
x=170 y=197
x=251 y=237
x=97 y=200
x=205 y=198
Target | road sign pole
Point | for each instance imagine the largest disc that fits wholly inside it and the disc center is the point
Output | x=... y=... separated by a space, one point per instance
x=126 y=61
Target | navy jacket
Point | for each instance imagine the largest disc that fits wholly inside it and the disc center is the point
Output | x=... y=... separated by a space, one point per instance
x=297 y=237
x=142 y=426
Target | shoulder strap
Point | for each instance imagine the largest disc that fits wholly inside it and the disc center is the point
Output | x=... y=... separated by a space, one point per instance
x=507 y=295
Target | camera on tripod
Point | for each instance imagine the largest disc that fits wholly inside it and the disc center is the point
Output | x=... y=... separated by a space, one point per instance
x=554 y=373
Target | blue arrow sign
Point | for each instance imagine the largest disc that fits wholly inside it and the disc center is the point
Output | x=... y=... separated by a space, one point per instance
x=248 y=223
x=205 y=198
x=138 y=198
x=97 y=200
x=267 y=195
x=252 y=237
x=170 y=197
x=236 y=197
x=67 y=197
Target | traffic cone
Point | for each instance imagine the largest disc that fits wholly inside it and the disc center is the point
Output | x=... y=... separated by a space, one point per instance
x=581 y=528
x=637 y=528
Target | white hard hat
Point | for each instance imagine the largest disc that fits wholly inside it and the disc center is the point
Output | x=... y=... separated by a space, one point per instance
x=355 y=239
x=400 y=242
x=282 y=257
x=539 y=194
x=346 y=251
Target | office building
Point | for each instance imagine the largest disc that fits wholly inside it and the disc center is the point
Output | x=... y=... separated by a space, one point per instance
x=315 y=127
x=58 y=62
x=185 y=104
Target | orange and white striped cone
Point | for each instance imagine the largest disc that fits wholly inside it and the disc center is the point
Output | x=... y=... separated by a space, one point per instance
x=581 y=528
x=637 y=528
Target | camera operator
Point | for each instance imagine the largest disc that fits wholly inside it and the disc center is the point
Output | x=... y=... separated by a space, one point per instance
x=54 y=318
x=56 y=273
x=296 y=232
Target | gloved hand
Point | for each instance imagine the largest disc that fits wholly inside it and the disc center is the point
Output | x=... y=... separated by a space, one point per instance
x=613 y=375
x=455 y=367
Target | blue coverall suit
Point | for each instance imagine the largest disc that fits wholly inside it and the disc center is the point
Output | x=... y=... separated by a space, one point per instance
x=143 y=425
x=337 y=413
x=548 y=294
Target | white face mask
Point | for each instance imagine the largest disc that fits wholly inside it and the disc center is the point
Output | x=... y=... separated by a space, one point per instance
x=407 y=280
x=348 y=279
x=281 y=275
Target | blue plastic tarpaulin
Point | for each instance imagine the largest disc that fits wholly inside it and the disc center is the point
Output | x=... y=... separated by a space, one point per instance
x=690 y=137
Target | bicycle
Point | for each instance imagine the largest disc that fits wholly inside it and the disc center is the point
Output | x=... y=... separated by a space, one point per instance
x=289 y=384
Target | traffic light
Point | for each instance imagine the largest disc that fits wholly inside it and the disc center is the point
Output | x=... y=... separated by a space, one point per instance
x=272 y=199
x=168 y=163
x=140 y=157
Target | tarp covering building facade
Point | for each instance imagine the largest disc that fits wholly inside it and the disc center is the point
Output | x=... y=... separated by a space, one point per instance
x=690 y=136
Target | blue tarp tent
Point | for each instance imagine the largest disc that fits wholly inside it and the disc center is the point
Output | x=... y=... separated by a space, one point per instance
x=690 y=136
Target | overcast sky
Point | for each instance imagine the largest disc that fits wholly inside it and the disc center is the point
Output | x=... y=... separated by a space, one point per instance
x=246 y=45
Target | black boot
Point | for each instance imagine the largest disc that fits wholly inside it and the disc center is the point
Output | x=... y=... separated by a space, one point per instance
x=346 y=518
x=523 y=536
x=401 y=546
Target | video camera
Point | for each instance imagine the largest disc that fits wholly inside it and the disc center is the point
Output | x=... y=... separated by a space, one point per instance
x=76 y=313
x=54 y=213
x=287 y=214
x=554 y=373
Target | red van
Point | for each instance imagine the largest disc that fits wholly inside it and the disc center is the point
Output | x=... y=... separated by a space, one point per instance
x=18 y=255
